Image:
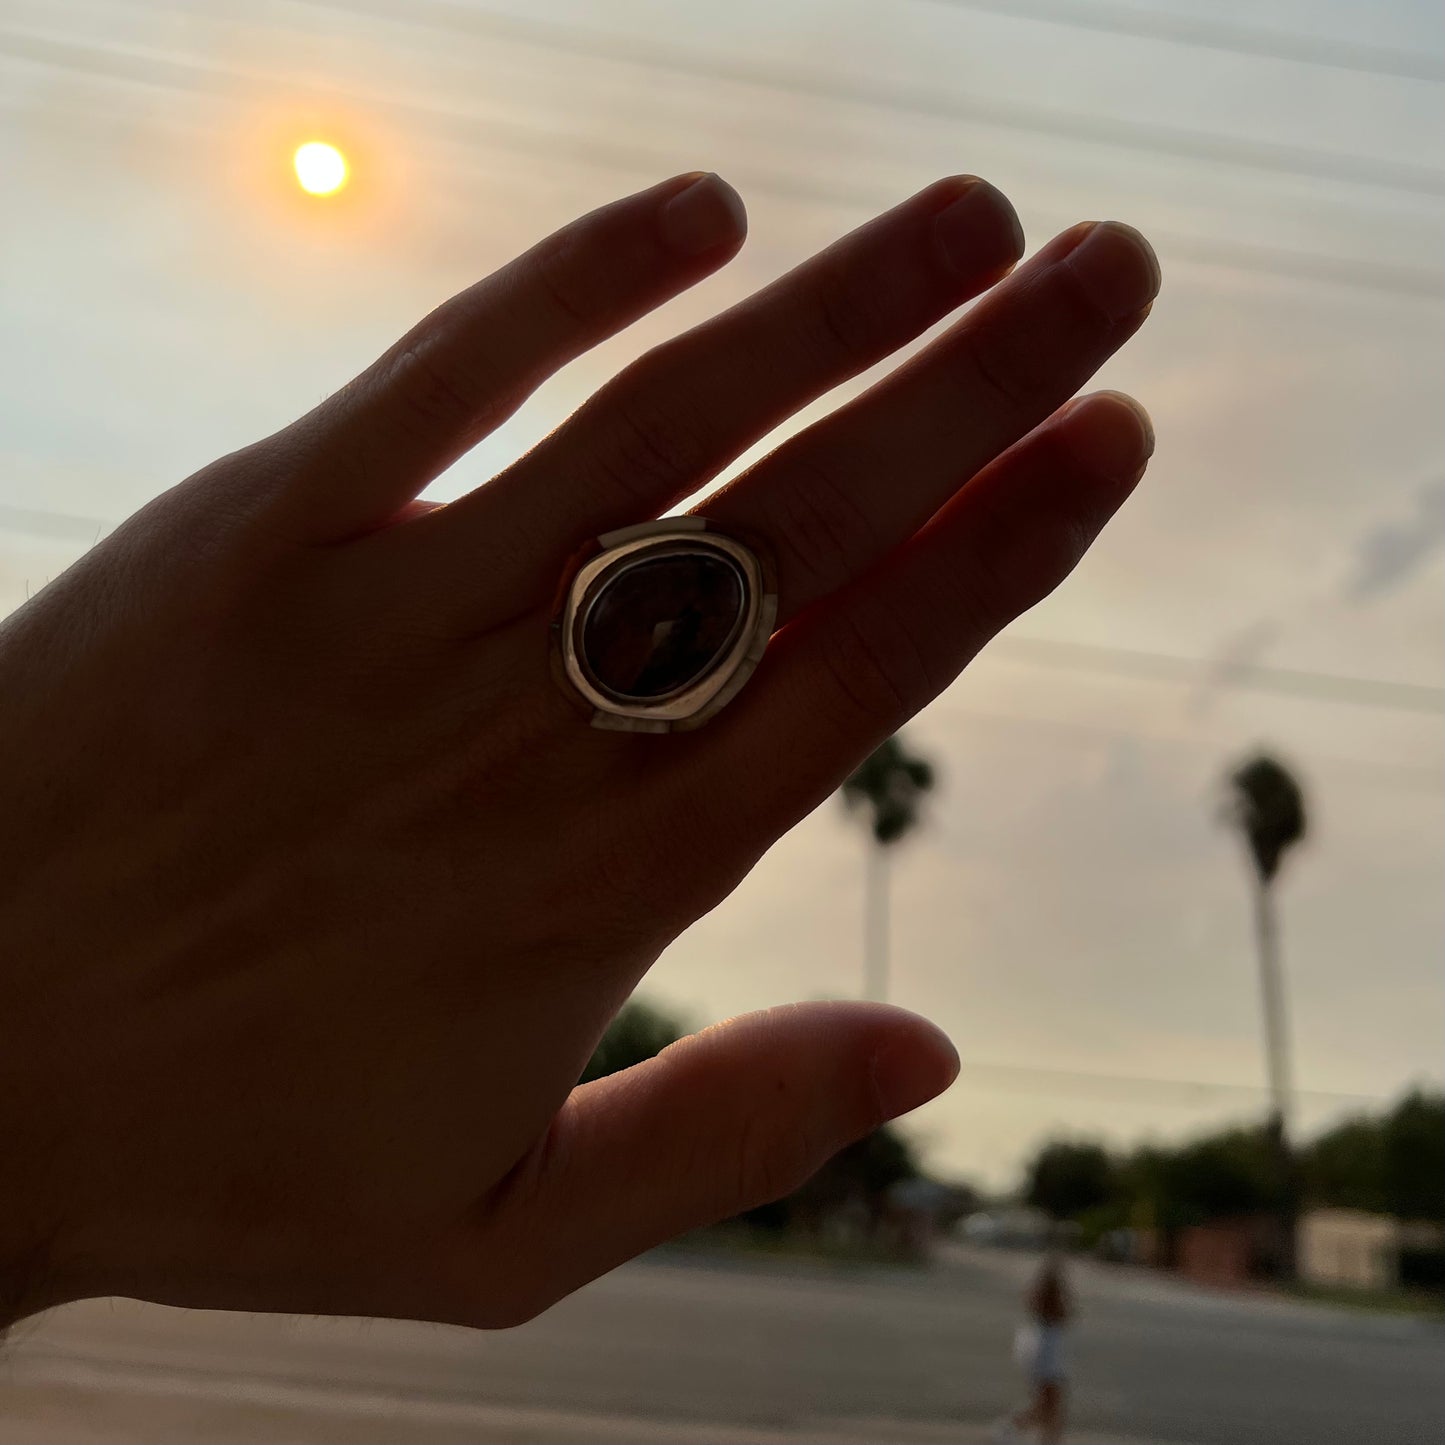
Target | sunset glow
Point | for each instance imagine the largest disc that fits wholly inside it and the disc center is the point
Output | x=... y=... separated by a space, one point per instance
x=321 y=169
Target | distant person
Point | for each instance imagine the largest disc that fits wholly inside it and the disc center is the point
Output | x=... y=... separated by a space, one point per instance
x=338 y=824
x=1039 y=1349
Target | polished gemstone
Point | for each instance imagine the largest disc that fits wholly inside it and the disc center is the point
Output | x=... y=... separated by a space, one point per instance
x=659 y=624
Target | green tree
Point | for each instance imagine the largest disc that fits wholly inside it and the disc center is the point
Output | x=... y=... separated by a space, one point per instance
x=888 y=788
x=1266 y=804
x=1068 y=1178
x=1221 y=1176
x=1413 y=1167
x=1345 y=1167
x=1390 y=1164
x=638 y=1033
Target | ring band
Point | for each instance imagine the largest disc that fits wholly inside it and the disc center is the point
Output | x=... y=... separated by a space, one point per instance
x=659 y=625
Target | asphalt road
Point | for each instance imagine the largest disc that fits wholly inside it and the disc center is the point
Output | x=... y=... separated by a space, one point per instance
x=684 y=1349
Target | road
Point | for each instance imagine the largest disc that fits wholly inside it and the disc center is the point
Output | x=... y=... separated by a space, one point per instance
x=690 y=1349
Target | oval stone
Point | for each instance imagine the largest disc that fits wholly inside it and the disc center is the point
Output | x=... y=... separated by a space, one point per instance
x=660 y=624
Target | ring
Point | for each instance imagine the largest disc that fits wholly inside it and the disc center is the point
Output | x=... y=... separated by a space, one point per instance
x=658 y=626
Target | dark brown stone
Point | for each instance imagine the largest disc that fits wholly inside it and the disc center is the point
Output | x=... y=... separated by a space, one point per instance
x=660 y=623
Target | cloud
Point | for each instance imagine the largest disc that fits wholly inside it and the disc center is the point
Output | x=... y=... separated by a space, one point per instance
x=1386 y=556
x=1243 y=649
x=39 y=522
x=1383 y=559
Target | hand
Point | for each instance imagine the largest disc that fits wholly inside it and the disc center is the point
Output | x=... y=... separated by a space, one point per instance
x=318 y=893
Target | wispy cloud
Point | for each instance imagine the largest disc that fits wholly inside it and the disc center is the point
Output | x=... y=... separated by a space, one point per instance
x=1387 y=555
x=39 y=522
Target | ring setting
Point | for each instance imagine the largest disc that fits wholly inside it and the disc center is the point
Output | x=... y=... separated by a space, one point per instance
x=659 y=625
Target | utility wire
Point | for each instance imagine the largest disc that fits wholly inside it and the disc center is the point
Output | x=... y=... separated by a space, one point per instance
x=1392 y=777
x=1043 y=652
x=1246 y=676
x=1174 y=141
x=1199 y=33
x=199 y=78
x=1032 y=1078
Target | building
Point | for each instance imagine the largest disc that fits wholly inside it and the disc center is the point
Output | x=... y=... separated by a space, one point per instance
x=1351 y=1248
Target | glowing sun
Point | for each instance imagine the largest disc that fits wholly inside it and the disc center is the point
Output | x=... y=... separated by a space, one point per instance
x=321 y=169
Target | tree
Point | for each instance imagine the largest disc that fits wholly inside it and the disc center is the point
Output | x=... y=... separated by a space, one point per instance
x=1221 y=1176
x=1345 y=1167
x=1068 y=1178
x=1267 y=805
x=889 y=785
x=638 y=1033
x=1389 y=1164
x=1414 y=1157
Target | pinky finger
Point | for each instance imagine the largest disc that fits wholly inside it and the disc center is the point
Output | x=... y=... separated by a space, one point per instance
x=856 y=667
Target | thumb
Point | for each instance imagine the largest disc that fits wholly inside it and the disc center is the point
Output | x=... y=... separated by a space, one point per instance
x=720 y=1122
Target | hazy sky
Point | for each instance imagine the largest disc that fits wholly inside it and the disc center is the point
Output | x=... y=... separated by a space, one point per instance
x=1073 y=905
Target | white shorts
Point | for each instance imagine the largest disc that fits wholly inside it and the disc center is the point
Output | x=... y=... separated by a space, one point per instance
x=1048 y=1366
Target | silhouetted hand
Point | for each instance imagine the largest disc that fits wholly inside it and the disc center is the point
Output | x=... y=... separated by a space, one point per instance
x=315 y=891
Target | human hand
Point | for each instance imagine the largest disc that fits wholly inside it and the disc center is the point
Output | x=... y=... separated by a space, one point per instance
x=318 y=893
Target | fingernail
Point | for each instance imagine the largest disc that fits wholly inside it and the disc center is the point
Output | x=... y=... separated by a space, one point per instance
x=912 y=1068
x=1116 y=269
x=979 y=231
x=704 y=215
x=1110 y=435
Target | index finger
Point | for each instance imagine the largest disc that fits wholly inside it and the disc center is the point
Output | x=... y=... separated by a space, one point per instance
x=360 y=456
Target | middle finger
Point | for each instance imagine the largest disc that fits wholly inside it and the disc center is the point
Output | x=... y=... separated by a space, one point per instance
x=671 y=420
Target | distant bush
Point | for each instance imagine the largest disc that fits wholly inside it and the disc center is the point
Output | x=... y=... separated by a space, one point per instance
x=1068 y=1178
x=638 y=1033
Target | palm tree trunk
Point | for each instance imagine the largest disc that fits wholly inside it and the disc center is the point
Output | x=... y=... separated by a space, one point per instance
x=875 y=924
x=1276 y=1044
x=1271 y=990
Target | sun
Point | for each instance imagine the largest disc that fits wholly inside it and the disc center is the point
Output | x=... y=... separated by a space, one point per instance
x=321 y=169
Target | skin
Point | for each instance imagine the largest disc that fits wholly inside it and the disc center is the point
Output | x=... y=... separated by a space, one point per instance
x=317 y=893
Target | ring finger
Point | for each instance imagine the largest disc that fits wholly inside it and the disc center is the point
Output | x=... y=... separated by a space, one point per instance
x=833 y=499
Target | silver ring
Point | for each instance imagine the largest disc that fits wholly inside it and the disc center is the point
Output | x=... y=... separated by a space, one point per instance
x=659 y=625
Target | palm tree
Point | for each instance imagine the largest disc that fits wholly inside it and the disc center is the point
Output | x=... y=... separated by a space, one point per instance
x=1266 y=803
x=890 y=785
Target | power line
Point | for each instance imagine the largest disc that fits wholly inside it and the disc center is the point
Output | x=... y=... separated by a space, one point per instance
x=1174 y=141
x=197 y=78
x=1033 y=1078
x=1294 y=46
x=1245 y=676
x=1039 y=652
x=1395 y=777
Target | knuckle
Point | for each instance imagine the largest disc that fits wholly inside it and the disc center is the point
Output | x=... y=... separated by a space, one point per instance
x=1006 y=361
x=1049 y=553
x=654 y=453
x=827 y=530
x=876 y=663
x=768 y=1163
x=1020 y=565
x=847 y=312
x=1059 y=546
x=565 y=283
x=432 y=394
